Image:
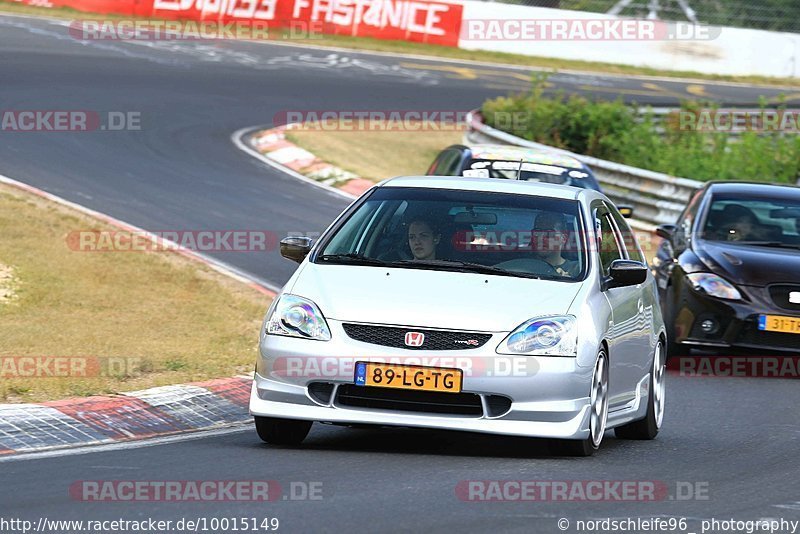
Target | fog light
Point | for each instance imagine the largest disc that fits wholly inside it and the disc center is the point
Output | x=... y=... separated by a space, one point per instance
x=709 y=326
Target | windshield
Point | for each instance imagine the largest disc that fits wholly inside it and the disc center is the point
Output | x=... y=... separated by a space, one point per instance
x=534 y=172
x=765 y=221
x=468 y=231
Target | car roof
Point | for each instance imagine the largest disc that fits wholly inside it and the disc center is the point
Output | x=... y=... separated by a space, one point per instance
x=755 y=188
x=525 y=154
x=492 y=185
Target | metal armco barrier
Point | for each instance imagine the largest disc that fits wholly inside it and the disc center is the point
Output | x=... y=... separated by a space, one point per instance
x=657 y=198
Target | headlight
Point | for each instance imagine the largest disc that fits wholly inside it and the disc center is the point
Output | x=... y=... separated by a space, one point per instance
x=546 y=336
x=298 y=317
x=714 y=285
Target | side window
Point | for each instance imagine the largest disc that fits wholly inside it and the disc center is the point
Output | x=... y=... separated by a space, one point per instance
x=629 y=241
x=686 y=221
x=610 y=249
x=446 y=164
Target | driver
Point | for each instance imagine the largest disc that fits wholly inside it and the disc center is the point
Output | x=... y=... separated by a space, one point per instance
x=549 y=236
x=423 y=239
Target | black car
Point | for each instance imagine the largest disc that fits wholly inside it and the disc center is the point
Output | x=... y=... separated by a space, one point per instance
x=728 y=271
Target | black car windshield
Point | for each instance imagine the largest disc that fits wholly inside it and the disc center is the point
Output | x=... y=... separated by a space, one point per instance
x=761 y=221
x=466 y=231
x=534 y=172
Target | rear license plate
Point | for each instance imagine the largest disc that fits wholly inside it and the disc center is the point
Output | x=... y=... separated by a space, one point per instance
x=779 y=323
x=386 y=375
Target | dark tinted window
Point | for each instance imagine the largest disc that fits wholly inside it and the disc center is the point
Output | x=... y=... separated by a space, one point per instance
x=764 y=220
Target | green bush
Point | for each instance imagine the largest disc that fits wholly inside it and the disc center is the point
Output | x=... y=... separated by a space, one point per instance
x=619 y=132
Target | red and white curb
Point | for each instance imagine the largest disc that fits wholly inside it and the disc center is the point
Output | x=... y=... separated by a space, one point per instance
x=273 y=145
x=130 y=416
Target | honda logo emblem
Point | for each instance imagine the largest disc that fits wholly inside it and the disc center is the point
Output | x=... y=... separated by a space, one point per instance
x=794 y=297
x=414 y=339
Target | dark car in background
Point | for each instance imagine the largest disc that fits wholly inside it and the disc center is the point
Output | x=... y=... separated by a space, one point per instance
x=516 y=163
x=728 y=271
x=502 y=161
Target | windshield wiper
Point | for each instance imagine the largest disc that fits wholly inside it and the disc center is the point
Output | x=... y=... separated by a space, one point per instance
x=466 y=266
x=353 y=258
x=776 y=244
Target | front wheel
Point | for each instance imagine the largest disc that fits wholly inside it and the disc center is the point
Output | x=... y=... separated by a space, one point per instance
x=648 y=427
x=598 y=401
x=282 y=431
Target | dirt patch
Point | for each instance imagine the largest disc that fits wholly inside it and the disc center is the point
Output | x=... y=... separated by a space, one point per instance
x=8 y=284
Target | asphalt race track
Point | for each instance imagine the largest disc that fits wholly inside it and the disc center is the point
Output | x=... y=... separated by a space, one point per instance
x=728 y=447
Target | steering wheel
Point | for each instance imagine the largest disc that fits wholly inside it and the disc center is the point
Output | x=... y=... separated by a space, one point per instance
x=529 y=266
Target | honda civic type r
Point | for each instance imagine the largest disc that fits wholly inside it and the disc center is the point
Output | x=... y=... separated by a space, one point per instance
x=495 y=306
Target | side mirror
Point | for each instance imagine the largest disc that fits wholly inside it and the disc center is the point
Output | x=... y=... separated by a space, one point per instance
x=295 y=248
x=625 y=211
x=625 y=273
x=665 y=231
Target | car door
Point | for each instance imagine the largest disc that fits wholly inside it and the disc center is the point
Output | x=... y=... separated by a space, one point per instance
x=627 y=308
x=649 y=315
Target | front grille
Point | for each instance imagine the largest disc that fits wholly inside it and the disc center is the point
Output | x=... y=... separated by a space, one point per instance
x=392 y=336
x=468 y=404
x=780 y=296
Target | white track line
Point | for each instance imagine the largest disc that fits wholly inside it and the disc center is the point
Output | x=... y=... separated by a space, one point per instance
x=457 y=61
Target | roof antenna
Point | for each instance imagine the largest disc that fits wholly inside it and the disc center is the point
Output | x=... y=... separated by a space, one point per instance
x=519 y=170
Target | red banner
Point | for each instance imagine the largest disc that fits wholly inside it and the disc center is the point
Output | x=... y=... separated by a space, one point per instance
x=420 y=21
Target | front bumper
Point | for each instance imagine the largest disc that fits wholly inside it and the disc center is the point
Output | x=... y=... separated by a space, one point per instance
x=736 y=322
x=548 y=396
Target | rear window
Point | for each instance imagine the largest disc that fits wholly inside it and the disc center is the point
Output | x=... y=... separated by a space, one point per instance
x=534 y=172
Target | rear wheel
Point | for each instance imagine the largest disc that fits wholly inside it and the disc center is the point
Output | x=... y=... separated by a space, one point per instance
x=282 y=431
x=598 y=401
x=648 y=427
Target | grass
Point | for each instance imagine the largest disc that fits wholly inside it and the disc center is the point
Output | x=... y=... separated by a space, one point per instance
x=434 y=51
x=376 y=155
x=615 y=131
x=162 y=318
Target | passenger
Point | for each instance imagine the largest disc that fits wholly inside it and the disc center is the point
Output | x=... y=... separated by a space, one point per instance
x=549 y=236
x=423 y=238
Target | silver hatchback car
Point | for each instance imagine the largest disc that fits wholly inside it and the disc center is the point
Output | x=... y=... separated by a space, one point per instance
x=496 y=306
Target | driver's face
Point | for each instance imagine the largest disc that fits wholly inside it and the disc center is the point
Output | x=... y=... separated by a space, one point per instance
x=547 y=241
x=422 y=241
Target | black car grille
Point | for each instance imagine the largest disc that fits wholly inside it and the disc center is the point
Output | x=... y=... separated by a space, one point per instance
x=392 y=336
x=751 y=335
x=467 y=404
x=780 y=296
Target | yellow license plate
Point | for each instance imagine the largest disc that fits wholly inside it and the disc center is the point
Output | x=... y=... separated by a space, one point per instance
x=387 y=375
x=779 y=323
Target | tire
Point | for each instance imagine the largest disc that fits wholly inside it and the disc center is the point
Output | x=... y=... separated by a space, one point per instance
x=648 y=427
x=282 y=431
x=599 y=415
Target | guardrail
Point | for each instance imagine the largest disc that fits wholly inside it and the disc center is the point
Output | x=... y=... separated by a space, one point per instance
x=657 y=198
